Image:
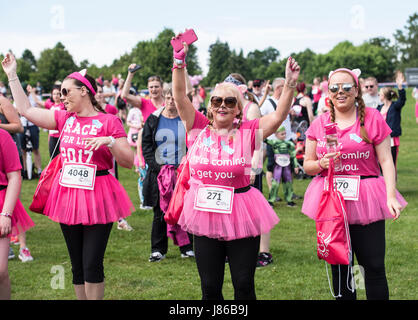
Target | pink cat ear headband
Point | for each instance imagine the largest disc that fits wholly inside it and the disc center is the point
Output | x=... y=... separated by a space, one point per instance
x=80 y=76
x=355 y=73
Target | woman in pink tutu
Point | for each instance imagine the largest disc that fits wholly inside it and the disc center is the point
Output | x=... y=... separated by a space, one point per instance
x=85 y=199
x=364 y=142
x=223 y=212
x=13 y=217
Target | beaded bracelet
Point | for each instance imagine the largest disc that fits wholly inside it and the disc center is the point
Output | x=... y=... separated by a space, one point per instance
x=5 y=214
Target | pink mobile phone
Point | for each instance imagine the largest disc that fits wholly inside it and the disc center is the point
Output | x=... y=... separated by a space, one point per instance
x=189 y=37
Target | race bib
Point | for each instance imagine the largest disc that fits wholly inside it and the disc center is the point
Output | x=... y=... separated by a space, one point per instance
x=214 y=198
x=78 y=175
x=282 y=160
x=349 y=186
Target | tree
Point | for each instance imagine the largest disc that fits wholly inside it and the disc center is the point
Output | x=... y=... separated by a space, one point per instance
x=407 y=43
x=259 y=61
x=219 y=57
x=54 y=64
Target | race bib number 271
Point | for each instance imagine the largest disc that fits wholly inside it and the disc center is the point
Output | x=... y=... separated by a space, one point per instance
x=214 y=198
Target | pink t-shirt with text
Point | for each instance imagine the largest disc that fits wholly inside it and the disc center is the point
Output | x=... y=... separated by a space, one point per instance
x=9 y=157
x=220 y=160
x=358 y=157
x=76 y=128
x=53 y=106
x=147 y=107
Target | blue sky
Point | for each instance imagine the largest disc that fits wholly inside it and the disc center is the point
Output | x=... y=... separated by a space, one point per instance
x=101 y=31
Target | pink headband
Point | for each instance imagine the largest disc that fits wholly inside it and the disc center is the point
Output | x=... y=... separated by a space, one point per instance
x=355 y=73
x=80 y=76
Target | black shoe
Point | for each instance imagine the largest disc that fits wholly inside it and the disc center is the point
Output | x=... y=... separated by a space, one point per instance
x=296 y=197
x=271 y=204
x=264 y=259
x=291 y=204
x=278 y=199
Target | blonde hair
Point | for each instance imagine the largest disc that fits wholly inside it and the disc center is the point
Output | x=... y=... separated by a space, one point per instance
x=361 y=111
x=235 y=93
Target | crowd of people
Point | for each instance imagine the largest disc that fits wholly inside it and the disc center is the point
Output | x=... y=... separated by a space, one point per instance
x=229 y=137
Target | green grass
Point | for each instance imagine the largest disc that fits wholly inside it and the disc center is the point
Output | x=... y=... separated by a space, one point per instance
x=295 y=274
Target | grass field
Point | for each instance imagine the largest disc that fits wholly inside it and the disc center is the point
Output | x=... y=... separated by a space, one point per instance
x=296 y=273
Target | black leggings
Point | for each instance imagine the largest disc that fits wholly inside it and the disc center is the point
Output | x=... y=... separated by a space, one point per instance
x=242 y=257
x=368 y=245
x=86 y=246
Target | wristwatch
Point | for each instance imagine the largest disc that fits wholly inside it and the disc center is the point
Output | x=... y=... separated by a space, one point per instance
x=112 y=142
x=178 y=61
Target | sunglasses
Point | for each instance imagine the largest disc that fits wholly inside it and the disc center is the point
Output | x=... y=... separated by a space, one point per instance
x=345 y=86
x=66 y=92
x=367 y=87
x=229 y=102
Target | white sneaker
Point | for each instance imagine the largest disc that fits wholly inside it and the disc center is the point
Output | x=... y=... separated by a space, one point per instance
x=24 y=255
x=156 y=257
x=142 y=207
x=124 y=225
x=188 y=254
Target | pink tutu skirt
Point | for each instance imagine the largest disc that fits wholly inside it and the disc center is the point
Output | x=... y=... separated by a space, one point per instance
x=107 y=203
x=251 y=216
x=370 y=207
x=21 y=222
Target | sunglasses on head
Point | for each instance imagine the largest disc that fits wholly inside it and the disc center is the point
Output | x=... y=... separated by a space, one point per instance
x=229 y=102
x=345 y=86
x=367 y=87
x=65 y=92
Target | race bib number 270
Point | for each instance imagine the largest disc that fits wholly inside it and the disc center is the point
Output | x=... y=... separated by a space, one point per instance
x=348 y=185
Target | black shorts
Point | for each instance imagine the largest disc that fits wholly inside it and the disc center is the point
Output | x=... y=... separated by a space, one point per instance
x=34 y=137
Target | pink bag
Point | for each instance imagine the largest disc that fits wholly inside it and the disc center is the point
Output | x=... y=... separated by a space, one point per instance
x=175 y=206
x=45 y=184
x=333 y=236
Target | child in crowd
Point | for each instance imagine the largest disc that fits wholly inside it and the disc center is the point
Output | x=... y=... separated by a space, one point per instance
x=284 y=156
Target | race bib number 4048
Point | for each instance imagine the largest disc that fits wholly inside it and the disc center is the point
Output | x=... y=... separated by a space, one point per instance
x=78 y=175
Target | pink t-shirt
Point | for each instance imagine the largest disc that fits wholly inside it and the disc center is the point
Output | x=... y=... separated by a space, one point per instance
x=220 y=160
x=111 y=109
x=72 y=146
x=147 y=107
x=9 y=157
x=53 y=106
x=358 y=157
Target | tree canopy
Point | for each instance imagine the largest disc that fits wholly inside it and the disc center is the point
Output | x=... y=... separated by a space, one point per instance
x=376 y=57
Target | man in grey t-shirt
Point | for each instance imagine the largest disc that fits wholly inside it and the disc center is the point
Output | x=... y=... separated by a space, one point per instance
x=371 y=96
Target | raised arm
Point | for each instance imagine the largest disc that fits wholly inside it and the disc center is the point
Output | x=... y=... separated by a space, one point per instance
x=184 y=105
x=266 y=92
x=130 y=98
x=14 y=125
x=41 y=117
x=272 y=121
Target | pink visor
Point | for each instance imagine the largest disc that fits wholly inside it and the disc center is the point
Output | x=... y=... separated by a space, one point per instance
x=78 y=76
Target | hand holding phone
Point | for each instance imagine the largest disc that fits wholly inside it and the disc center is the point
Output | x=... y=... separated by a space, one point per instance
x=134 y=69
x=189 y=36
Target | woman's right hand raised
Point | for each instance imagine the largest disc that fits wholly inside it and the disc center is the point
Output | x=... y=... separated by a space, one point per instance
x=9 y=64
